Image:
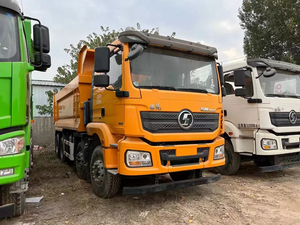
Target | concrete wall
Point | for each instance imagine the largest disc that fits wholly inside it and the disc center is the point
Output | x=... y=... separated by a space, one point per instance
x=43 y=131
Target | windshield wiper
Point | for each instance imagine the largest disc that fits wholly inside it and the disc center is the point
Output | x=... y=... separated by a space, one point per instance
x=276 y=95
x=293 y=96
x=159 y=87
x=192 y=90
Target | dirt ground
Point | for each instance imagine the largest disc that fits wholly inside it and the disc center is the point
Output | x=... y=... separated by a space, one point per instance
x=246 y=198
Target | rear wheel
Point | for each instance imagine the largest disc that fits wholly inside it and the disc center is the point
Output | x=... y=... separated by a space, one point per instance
x=79 y=163
x=17 y=198
x=105 y=185
x=57 y=145
x=61 y=150
x=232 y=160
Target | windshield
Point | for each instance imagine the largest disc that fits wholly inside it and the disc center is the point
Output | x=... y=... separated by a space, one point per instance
x=174 y=70
x=9 y=42
x=282 y=84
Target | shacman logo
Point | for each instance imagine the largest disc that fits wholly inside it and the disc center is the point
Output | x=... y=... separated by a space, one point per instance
x=293 y=117
x=185 y=119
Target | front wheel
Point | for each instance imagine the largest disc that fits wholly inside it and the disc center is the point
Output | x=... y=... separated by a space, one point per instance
x=17 y=198
x=232 y=160
x=105 y=185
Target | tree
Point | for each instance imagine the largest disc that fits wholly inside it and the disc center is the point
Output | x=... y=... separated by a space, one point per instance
x=47 y=109
x=272 y=29
x=68 y=72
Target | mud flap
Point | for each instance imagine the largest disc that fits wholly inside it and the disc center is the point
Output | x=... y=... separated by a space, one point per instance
x=7 y=210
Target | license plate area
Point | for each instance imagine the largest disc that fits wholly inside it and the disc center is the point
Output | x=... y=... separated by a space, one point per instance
x=170 y=157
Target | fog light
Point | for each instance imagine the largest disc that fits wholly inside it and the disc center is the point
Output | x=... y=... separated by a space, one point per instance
x=6 y=172
x=138 y=159
x=219 y=152
x=268 y=144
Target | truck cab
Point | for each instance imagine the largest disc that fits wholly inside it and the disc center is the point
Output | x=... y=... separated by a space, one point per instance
x=19 y=56
x=155 y=107
x=262 y=114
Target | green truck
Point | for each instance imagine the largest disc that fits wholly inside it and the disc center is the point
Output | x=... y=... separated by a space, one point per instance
x=23 y=49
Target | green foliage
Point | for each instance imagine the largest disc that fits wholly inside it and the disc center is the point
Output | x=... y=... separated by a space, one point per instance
x=68 y=72
x=272 y=29
x=47 y=109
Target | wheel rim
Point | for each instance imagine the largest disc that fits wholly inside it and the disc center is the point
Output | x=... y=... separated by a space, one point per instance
x=79 y=161
x=98 y=172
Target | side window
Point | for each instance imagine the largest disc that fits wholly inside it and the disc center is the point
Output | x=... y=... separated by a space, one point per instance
x=115 y=73
x=229 y=84
x=249 y=85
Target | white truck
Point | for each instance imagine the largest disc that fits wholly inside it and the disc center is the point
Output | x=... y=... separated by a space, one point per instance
x=262 y=114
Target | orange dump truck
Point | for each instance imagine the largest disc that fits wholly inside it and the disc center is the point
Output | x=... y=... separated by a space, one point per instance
x=142 y=107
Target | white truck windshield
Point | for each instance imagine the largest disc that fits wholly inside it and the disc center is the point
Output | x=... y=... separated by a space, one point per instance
x=9 y=43
x=282 y=84
x=174 y=70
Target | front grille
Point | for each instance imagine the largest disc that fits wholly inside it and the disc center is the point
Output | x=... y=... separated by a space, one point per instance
x=281 y=119
x=167 y=122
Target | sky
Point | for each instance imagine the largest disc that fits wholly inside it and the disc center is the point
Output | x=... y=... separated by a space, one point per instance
x=210 y=22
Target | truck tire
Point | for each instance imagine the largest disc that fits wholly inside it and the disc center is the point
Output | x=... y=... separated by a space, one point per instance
x=232 y=160
x=17 y=198
x=182 y=175
x=57 y=145
x=61 y=150
x=79 y=163
x=105 y=185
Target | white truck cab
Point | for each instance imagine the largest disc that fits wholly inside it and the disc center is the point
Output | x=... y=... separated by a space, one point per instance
x=262 y=114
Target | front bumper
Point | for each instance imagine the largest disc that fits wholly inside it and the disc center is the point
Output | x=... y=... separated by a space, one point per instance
x=158 y=167
x=17 y=162
x=170 y=185
x=267 y=169
x=286 y=144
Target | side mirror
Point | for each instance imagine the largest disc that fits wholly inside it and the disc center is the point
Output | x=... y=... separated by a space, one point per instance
x=102 y=60
x=223 y=90
x=269 y=72
x=239 y=78
x=220 y=70
x=42 y=60
x=240 y=92
x=101 y=80
x=135 y=51
x=41 y=35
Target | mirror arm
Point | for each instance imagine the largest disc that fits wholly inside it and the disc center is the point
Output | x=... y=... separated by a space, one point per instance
x=259 y=75
x=41 y=41
x=111 y=89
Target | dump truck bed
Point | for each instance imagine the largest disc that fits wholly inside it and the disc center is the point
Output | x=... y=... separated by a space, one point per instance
x=68 y=103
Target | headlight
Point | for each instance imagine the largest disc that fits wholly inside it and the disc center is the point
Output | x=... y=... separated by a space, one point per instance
x=219 y=152
x=12 y=146
x=268 y=144
x=138 y=159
